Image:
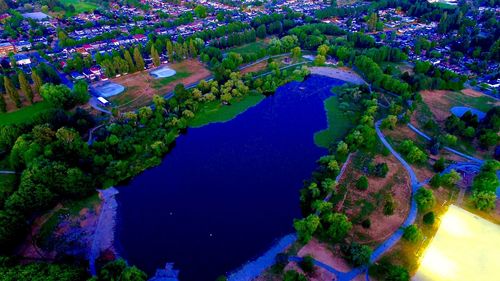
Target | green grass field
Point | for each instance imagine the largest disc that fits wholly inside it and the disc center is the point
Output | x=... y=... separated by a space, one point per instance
x=250 y=48
x=159 y=83
x=483 y=103
x=339 y=124
x=24 y=114
x=215 y=112
x=81 y=6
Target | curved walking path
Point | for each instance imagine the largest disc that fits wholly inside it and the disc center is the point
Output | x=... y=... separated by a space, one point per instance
x=7 y=172
x=454 y=151
x=395 y=237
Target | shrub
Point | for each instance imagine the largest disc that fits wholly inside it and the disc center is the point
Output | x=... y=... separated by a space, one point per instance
x=362 y=183
x=425 y=199
x=307 y=264
x=412 y=234
x=429 y=218
x=292 y=275
x=366 y=223
x=385 y=270
x=484 y=200
x=435 y=181
x=439 y=165
x=389 y=206
x=357 y=254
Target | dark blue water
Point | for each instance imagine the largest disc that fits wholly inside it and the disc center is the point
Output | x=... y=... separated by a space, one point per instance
x=227 y=191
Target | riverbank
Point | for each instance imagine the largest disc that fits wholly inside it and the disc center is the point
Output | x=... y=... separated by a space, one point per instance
x=341 y=73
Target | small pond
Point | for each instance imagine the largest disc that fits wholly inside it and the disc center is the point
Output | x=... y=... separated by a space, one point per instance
x=227 y=191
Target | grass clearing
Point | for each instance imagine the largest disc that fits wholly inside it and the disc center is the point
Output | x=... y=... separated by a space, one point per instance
x=339 y=124
x=215 y=112
x=24 y=114
x=250 y=48
x=81 y=6
x=160 y=83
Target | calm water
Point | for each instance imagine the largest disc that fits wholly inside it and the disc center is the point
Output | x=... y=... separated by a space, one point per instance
x=227 y=191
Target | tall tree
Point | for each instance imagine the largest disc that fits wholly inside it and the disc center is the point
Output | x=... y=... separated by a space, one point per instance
x=130 y=62
x=25 y=86
x=12 y=91
x=155 y=56
x=3 y=105
x=139 y=61
x=170 y=50
x=37 y=81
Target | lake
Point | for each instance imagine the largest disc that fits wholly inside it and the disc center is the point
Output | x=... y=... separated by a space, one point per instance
x=227 y=191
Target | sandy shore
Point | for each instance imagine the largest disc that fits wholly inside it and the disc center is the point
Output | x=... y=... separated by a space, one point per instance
x=344 y=74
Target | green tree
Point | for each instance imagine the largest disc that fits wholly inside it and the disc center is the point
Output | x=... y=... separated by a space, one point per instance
x=81 y=92
x=319 y=60
x=439 y=165
x=57 y=95
x=200 y=11
x=362 y=183
x=484 y=200
x=307 y=264
x=130 y=62
x=155 y=56
x=425 y=199
x=412 y=234
x=429 y=218
x=358 y=254
x=389 y=122
x=37 y=81
x=323 y=50
x=261 y=31
x=296 y=53
x=292 y=275
x=139 y=61
x=3 y=104
x=12 y=91
x=306 y=227
x=339 y=227
x=25 y=86
x=451 y=179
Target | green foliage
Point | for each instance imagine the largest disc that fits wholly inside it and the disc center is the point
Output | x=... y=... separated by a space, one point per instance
x=292 y=275
x=429 y=218
x=389 y=205
x=439 y=165
x=412 y=234
x=357 y=254
x=384 y=270
x=425 y=199
x=484 y=200
x=412 y=152
x=43 y=271
x=362 y=183
x=487 y=180
x=307 y=264
x=339 y=226
x=120 y=270
x=389 y=122
x=306 y=227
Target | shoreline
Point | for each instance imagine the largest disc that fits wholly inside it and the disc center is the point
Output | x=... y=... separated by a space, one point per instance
x=338 y=73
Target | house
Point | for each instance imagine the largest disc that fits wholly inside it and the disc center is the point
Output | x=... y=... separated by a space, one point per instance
x=139 y=37
x=88 y=74
x=77 y=76
x=22 y=46
x=22 y=59
x=6 y=48
x=96 y=70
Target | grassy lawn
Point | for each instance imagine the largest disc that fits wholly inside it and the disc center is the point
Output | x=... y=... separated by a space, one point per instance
x=250 y=48
x=338 y=124
x=215 y=112
x=24 y=114
x=81 y=6
x=159 y=83
x=483 y=103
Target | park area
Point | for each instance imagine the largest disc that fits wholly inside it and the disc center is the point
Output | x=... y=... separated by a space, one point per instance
x=464 y=248
x=142 y=86
x=81 y=6
x=24 y=114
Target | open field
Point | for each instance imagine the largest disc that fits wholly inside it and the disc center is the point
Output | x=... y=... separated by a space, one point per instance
x=339 y=124
x=215 y=112
x=250 y=47
x=24 y=114
x=441 y=102
x=369 y=204
x=141 y=87
x=81 y=6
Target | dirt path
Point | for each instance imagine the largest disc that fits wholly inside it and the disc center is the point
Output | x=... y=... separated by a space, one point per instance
x=344 y=74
